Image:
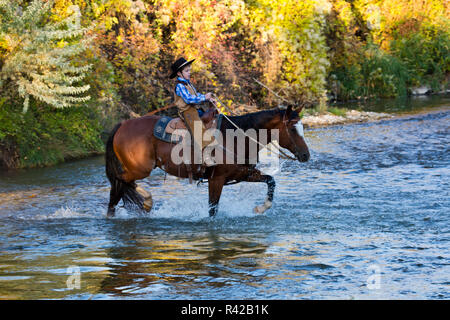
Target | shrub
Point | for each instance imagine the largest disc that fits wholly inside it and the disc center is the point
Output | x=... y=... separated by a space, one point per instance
x=45 y=136
x=375 y=74
x=426 y=54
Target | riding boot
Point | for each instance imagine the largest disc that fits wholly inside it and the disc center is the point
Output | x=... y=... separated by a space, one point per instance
x=190 y=116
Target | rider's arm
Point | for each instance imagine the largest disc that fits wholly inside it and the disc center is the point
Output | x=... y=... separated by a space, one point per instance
x=183 y=92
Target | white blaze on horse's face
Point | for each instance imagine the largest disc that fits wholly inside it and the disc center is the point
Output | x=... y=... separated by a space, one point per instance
x=299 y=128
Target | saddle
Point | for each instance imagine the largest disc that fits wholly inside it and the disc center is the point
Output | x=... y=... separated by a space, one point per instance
x=173 y=130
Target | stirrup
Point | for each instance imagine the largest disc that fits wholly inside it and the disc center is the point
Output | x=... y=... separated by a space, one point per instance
x=201 y=180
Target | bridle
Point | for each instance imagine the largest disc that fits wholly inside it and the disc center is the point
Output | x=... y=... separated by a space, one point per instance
x=281 y=153
x=285 y=123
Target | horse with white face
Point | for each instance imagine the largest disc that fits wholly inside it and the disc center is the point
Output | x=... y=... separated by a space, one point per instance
x=132 y=152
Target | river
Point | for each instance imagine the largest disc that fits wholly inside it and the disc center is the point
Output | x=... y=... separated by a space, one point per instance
x=366 y=218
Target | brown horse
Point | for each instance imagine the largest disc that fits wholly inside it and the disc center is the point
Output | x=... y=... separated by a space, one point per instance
x=132 y=152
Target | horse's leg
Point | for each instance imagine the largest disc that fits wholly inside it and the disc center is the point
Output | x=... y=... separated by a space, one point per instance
x=114 y=197
x=130 y=193
x=215 y=186
x=257 y=176
x=148 y=201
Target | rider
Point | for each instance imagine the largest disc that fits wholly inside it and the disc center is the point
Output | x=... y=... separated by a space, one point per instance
x=187 y=100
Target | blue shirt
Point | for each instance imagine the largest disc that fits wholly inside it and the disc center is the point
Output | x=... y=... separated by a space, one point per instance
x=183 y=92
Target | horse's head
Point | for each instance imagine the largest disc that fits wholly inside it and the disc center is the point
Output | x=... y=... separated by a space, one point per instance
x=291 y=134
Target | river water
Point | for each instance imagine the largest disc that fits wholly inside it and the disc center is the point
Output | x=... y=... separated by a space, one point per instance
x=366 y=218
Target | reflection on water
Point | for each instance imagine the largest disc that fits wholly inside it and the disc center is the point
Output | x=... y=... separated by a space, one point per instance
x=373 y=198
x=179 y=266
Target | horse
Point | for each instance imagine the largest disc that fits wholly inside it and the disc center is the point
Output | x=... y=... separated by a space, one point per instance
x=132 y=152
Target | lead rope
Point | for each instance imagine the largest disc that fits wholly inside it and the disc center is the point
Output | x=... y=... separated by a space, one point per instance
x=281 y=153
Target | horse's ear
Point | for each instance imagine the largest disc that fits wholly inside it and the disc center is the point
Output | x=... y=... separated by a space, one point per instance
x=299 y=109
x=292 y=115
x=289 y=111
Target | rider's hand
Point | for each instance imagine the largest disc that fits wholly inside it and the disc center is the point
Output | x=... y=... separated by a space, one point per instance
x=211 y=99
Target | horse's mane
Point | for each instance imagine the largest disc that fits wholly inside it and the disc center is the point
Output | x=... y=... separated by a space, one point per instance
x=255 y=120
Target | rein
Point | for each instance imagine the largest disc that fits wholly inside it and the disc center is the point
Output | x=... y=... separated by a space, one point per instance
x=281 y=153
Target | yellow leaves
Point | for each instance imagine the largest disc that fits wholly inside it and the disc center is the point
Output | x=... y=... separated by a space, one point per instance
x=62 y=43
x=110 y=21
x=293 y=45
x=322 y=6
x=222 y=108
x=390 y=15
x=345 y=11
x=200 y=25
x=4 y=46
x=60 y=9
x=97 y=10
x=165 y=19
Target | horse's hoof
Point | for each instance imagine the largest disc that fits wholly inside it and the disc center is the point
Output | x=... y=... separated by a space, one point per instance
x=261 y=209
x=143 y=192
x=148 y=204
x=111 y=212
x=212 y=212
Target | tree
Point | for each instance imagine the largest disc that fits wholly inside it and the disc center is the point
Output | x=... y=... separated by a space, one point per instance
x=293 y=49
x=37 y=54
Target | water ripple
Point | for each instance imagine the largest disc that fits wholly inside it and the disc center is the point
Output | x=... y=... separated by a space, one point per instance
x=374 y=199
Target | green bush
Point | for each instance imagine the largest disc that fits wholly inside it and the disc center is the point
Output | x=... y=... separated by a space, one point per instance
x=375 y=74
x=384 y=75
x=45 y=136
x=426 y=54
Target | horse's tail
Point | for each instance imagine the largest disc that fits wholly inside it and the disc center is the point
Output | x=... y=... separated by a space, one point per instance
x=113 y=166
x=119 y=188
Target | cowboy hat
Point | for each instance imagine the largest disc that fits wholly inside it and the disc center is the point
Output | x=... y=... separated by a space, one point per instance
x=178 y=66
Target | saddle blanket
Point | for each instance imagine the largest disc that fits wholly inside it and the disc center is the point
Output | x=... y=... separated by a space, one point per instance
x=167 y=133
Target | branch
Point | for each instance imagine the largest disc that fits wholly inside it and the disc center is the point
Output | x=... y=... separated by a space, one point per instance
x=160 y=109
x=274 y=93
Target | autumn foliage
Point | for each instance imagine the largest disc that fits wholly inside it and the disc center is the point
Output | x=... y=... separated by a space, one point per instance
x=308 y=51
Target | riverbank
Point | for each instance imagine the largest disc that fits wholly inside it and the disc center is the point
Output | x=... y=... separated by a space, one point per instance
x=37 y=151
x=332 y=116
x=374 y=110
x=347 y=116
x=69 y=134
x=44 y=136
